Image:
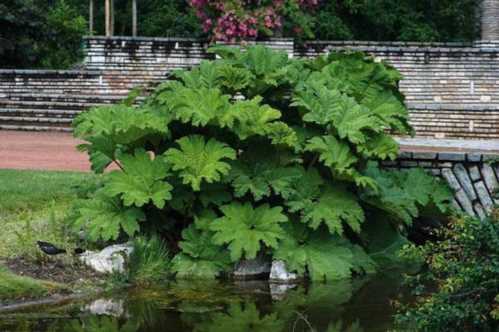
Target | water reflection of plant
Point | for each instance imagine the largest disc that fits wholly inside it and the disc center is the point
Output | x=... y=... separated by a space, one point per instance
x=240 y=317
x=216 y=306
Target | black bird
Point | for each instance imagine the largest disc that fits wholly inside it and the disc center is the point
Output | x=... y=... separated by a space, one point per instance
x=79 y=251
x=49 y=248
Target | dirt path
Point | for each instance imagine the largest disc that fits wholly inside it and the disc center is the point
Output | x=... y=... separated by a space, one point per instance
x=57 y=151
x=41 y=150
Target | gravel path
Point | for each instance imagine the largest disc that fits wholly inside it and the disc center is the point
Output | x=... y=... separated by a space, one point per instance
x=57 y=151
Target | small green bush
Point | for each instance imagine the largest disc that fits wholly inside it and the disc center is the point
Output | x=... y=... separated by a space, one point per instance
x=464 y=268
x=256 y=153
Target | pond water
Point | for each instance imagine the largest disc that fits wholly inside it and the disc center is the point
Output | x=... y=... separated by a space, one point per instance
x=340 y=306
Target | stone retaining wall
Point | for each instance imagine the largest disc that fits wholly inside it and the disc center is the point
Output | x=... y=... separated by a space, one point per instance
x=452 y=89
x=474 y=177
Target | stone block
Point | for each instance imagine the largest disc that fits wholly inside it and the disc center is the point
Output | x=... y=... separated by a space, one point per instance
x=424 y=155
x=484 y=196
x=452 y=156
x=480 y=211
x=474 y=157
x=405 y=155
x=474 y=173
x=436 y=171
x=425 y=164
x=489 y=177
x=445 y=165
x=465 y=202
x=451 y=179
x=409 y=163
x=462 y=175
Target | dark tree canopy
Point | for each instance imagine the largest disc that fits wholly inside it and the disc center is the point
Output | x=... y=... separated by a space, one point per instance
x=47 y=33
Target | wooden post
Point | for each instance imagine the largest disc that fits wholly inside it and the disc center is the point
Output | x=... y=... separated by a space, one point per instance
x=134 y=18
x=112 y=17
x=108 y=18
x=91 y=17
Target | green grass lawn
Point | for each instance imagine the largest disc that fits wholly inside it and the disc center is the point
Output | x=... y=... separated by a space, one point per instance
x=34 y=206
x=33 y=190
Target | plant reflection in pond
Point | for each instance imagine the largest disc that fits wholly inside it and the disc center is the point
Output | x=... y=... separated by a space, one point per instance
x=342 y=306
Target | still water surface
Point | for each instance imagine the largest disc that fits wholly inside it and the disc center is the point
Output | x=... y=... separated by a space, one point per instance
x=341 y=306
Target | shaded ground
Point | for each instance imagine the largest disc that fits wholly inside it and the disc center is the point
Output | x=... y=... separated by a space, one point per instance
x=53 y=270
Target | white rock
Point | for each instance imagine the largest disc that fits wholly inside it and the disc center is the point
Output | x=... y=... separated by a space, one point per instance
x=108 y=260
x=106 y=307
x=279 y=273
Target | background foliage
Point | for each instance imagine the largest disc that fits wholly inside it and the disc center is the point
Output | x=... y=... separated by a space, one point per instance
x=463 y=267
x=47 y=33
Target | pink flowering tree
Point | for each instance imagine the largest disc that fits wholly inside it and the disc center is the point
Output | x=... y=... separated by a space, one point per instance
x=238 y=20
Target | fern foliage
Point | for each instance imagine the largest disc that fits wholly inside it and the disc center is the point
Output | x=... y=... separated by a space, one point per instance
x=257 y=155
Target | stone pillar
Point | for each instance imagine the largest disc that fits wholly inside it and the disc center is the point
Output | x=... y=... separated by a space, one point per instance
x=490 y=20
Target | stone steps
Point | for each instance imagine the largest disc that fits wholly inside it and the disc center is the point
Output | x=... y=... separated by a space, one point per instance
x=35 y=123
x=27 y=127
x=13 y=112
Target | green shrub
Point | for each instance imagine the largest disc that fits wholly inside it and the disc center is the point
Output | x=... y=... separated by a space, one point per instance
x=256 y=153
x=149 y=261
x=464 y=268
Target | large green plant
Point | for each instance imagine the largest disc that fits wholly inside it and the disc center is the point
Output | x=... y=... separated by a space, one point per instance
x=257 y=154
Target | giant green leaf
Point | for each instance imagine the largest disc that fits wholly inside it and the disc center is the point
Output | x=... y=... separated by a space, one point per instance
x=103 y=218
x=334 y=207
x=141 y=180
x=323 y=257
x=249 y=117
x=196 y=106
x=120 y=123
x=332 y=152
x=402 y=194
x=200 y=257
x=244 y=229
x=198 y=160
x=262 y=178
